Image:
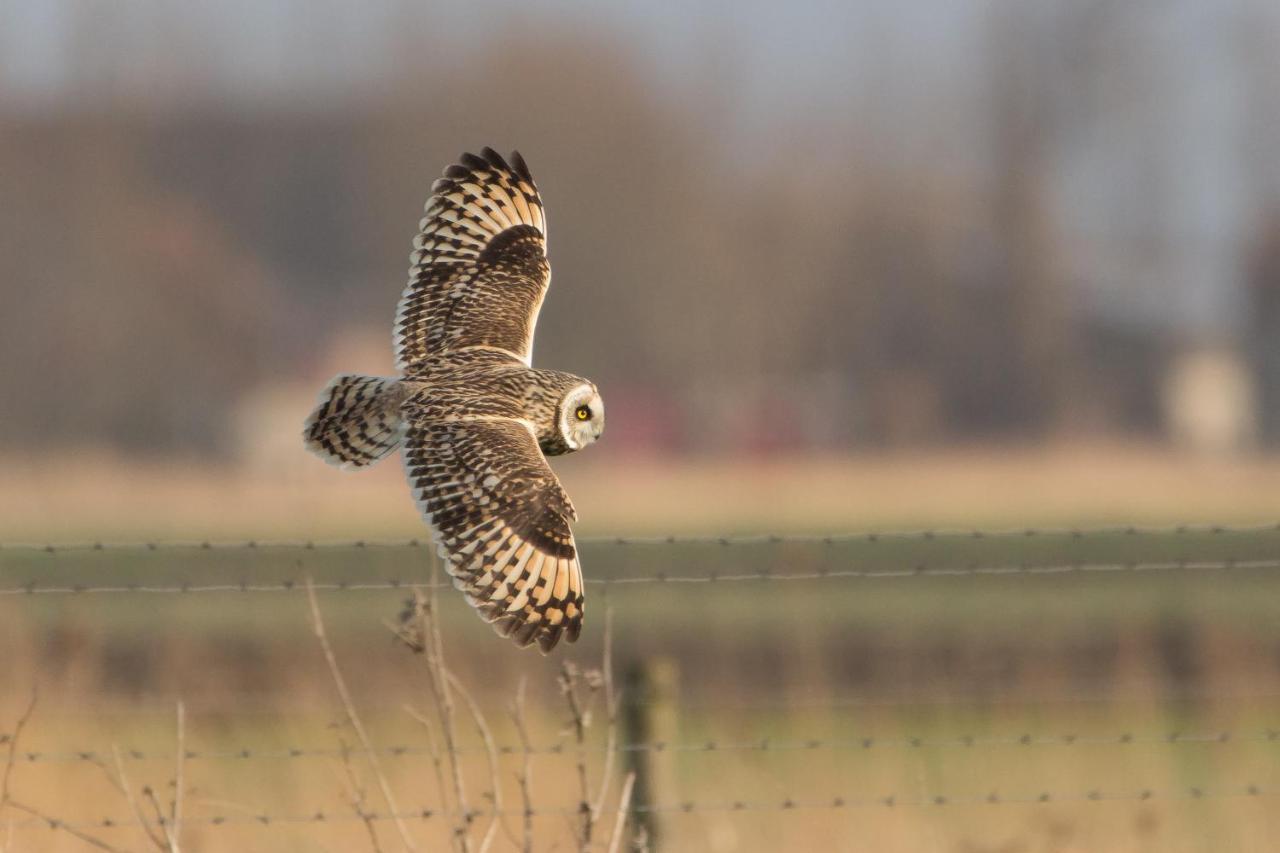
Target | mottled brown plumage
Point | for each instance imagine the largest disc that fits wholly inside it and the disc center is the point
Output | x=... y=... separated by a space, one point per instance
x=474 y=418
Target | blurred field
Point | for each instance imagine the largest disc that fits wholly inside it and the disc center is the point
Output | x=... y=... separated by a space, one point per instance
x=839 y=660
x=86 y=496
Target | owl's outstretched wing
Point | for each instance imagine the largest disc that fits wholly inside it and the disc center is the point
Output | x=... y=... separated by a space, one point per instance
x=501 y=522
x=479 y=267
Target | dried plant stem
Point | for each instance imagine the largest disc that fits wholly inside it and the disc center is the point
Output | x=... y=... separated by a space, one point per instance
x=175 y=812
x=611 y=706
x=6 y=793
x=525 y=776
x=580 y=719
x=12 y=752
x=54 y=823
x=354 y=719
x=624 y=804
x=438 y=680
x=121 y=781
x=356 y=793
x=437 y=760
x=168 y=842
x=7 y=799
x=491 y=750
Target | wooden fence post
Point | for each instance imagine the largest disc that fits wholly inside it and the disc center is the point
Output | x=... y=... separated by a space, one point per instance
x=651 y=716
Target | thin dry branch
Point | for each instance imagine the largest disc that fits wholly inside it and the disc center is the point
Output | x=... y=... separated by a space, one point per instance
x=356 y=794
x=437 y=760
x=354 y=718
x=11 y=753
x=624 y=804
x=580 y=720
x=525 y=777
x=438 y=680
x=491 y=750
x=175 y=810
x=56 y=824
x=121 y=781
x=611 y=724
x=7 y=800
x=169 y=842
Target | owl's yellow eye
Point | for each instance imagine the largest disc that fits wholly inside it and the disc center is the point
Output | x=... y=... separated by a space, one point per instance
x=583 y=413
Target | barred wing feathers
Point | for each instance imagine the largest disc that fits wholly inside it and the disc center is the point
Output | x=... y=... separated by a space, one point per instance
x=501 y=522
x=479 y=269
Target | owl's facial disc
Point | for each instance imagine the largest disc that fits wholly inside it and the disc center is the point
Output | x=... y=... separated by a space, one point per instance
x=581 y=416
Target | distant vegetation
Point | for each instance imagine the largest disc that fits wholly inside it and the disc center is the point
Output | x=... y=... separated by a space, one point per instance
x=823 y=292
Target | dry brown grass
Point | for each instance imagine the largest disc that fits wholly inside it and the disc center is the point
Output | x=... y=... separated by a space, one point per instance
x=78 y=496
x=985 y=658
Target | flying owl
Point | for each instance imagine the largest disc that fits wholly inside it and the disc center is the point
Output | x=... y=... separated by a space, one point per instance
x=475 y=419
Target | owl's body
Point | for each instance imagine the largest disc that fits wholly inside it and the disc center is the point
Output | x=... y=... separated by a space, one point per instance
x=475 y=420
x=483 y=383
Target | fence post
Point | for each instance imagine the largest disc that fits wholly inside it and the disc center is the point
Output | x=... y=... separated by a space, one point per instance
x=650 y=716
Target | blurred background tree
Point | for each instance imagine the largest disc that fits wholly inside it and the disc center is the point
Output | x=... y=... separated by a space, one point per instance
x=865 y=226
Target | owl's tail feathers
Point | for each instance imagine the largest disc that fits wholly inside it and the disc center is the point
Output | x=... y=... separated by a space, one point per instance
x=356 y=421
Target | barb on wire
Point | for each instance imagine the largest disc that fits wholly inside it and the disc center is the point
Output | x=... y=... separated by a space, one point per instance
x=1171 y=738
x=924 y=534
x=917 y=571
x=886 y=801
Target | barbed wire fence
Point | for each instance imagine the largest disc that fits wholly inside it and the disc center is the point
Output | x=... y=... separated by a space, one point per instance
x=638 y=740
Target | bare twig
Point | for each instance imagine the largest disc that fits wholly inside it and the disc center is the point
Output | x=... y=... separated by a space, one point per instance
x=121 y=781
x=611 y=707
x=12 y=752
x=356 y=793
x=438 y=680
x=624 y=804
x=525 y=776
x=437 y=760
x=492 y=751
x=169 y=842
x=6 y=793
x=55 y=823
x=580 y=721
x=354 y=719
x=175 y=811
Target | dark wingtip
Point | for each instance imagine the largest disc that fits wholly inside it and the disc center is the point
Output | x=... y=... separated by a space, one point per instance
x=547 y=641
x=526 y=633
x=520 y=166
x=494 y=159
x=471 y=161
x=488 y=158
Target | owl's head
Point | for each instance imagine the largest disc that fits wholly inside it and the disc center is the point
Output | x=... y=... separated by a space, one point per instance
x=581 y=416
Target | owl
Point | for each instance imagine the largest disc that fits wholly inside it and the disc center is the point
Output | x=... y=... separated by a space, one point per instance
x=475 y=420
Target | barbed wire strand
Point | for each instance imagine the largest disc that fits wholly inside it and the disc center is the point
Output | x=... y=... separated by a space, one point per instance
x=1173 y=738
x=916 y=571
x=925 y=534
x=269 y=703
x=888 y=801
